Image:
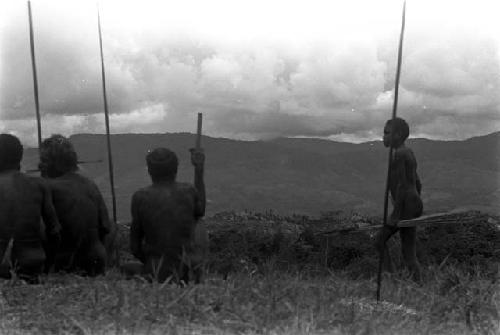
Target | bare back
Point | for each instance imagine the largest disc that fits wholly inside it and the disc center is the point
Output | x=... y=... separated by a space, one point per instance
x=165 y=215
x=79 y=205
x=24 y=201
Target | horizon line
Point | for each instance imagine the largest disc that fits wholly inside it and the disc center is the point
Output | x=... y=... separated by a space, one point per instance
x=273 y=138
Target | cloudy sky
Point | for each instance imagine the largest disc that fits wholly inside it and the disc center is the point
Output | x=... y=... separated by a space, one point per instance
x=256 y=69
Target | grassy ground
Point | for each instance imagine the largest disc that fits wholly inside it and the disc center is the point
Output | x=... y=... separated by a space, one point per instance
x=277 y=275
x=264 y=301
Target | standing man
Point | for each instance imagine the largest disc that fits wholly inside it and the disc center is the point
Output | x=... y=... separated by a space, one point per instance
x=405 y=188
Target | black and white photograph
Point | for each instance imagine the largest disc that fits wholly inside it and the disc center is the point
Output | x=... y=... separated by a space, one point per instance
x=250 y=167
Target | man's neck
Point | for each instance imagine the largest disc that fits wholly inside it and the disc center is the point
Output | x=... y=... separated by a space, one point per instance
x=164 y=181
x=58 y=174
x=399 y=146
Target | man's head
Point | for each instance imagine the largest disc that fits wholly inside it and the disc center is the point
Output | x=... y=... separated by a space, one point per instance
x=396 y=131
x=11 y=152
x=57 y=157
x=162 y=164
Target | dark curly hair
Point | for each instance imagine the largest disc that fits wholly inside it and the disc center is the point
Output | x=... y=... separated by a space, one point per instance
x=162 y=164
x=11 y=152
x=57 y=156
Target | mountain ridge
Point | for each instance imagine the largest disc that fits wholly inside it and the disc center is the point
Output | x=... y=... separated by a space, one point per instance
x=299 y=175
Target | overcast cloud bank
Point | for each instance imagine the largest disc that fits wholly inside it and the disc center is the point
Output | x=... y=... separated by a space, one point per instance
x=333 y=85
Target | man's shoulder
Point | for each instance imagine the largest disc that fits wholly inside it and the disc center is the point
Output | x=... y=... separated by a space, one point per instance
x=142 y=192
x=36 y=182
x=76 y=177
x=22 y=181
x=84 y=180
x=154 y=190
x=185 y=187
x=403 y=152
x=72 y=180
x=30 y=179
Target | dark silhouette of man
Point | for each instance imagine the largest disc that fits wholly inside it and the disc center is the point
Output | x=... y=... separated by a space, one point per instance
x=165 y=232
x=405 y=188
x=24 y=202
x=80 y=207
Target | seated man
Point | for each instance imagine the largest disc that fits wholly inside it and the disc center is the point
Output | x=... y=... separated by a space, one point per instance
x=24 y=201
x=165 y=235
x=80 y=208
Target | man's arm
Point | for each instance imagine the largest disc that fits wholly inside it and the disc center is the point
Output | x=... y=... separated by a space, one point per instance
x=49 y=215
x=198 y=161
x=136 y=230
x=52 y=225
x=104 y=225
x=419 y=184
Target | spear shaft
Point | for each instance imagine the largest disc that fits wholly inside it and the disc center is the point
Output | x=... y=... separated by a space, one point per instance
x=35 y=79
x=394 y=110
x=198 y=131
x=106 y=119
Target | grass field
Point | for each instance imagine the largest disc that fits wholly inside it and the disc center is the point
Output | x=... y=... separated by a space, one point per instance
x=269 y=275
x=257 y=302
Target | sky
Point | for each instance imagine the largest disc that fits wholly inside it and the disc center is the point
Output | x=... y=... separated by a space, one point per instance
x=255 y=69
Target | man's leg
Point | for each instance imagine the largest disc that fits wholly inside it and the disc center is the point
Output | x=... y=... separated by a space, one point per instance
x=5 y=259
x=409 y=249
x=381 y=239
x=192 y=267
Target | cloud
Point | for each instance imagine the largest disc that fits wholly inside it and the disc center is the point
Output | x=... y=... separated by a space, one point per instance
x=349 y=77
x=334 y=83
x=149 y=119
x=458 y=70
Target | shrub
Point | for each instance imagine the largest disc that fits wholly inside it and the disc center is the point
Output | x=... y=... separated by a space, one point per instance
x=254 y=238
x=245 y=241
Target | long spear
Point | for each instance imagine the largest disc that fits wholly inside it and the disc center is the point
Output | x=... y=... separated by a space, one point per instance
x=35 y=79
x=394 y=110
x=106 y=118
x=198 y=131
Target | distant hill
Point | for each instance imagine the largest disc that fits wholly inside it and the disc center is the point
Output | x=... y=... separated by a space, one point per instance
x=301 y=175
